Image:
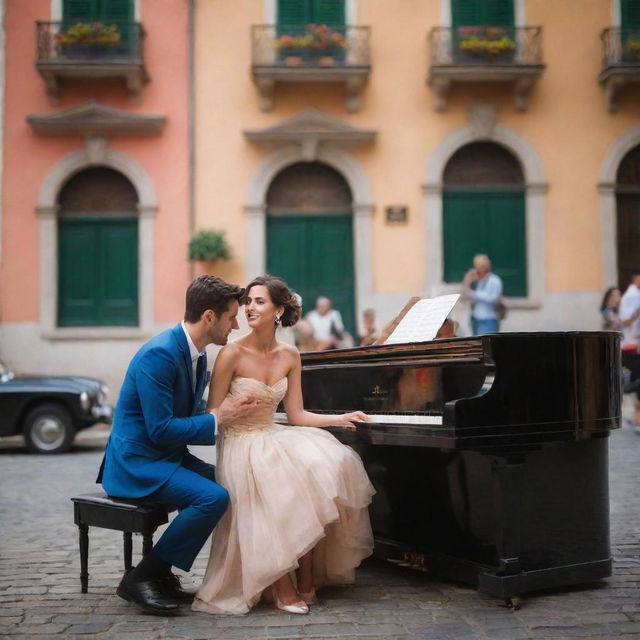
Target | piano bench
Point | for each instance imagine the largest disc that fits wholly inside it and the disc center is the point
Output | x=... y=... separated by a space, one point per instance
x=122 y=514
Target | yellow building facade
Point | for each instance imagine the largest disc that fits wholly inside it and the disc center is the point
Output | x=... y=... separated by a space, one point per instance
x=436 y=131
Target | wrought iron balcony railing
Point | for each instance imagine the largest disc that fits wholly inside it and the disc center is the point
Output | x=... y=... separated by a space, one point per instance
x=485 y=46
x=314 y=46
x=620 y=63
x=87 y=43
x=78 y=50
x=620 y=47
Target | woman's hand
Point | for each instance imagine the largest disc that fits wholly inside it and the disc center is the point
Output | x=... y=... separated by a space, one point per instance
x=346 y=420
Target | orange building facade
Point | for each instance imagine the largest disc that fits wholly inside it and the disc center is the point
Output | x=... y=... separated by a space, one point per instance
x=437 y=130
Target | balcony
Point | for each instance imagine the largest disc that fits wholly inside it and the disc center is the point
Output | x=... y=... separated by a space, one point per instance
x=82 y=51
x=620 y=62
x=309 y=54
x=485 y=54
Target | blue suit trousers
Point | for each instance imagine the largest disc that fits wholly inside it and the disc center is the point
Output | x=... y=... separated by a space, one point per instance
x=200 y=502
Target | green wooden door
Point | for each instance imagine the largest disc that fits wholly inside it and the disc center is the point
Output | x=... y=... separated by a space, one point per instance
x=105 y=11
x=314 y=254
x=97 y=272
x=630 y=14
x=486 y=221
x=304 y=12
x=466 y=13
x=119 y=12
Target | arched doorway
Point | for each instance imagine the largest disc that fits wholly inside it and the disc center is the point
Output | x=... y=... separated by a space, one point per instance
x=484 y=212
x=310 y=235
x=97 y=250
x=628 y=215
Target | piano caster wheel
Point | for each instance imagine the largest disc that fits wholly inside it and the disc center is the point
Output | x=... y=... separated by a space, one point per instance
x=513 y=603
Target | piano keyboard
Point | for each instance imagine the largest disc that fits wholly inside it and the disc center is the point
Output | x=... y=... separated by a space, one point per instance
x=387 y=418
x=404 y=418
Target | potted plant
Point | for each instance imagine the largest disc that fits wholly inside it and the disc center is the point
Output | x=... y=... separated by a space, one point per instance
x=632 y=50
x=205 y=248
x=489 y=43
x=318 y=43
x=86 y=40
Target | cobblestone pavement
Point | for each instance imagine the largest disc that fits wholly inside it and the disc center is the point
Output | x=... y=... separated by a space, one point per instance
x=40 y=593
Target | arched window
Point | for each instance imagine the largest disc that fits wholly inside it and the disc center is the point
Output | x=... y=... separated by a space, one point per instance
x=628 y=215
x=484 y=212
x=310 y=235
x=98 y=250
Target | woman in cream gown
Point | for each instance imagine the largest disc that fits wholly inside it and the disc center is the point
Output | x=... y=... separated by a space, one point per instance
x=298 y=516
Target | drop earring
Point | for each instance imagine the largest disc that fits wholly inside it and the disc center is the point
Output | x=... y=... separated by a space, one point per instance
x=278 y=321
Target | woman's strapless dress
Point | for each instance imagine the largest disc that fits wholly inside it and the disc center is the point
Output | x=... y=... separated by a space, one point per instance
x=292 y=489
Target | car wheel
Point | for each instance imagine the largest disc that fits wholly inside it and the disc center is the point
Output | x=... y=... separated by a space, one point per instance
x=48 y=428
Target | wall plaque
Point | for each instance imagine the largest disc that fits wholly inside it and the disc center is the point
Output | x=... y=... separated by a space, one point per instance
x=396 y=213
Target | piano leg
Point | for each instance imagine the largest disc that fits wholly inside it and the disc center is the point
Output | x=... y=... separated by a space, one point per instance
x=507 y=476
x=507 y=479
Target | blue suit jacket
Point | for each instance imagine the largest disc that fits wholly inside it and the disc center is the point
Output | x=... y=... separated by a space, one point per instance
x=155 y=418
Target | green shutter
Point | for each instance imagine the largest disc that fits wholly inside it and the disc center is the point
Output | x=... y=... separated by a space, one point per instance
x=491 y=222
x=80 y=11
x=98 y=272
x=304 y=12
x=314 y=254
x=294 y=13
x=630 y=14
x=107 y=11
x=119 y=259
x=465 y=13
x=329 y=12
x=499 y=13
x=116 y=11
x=77 y=273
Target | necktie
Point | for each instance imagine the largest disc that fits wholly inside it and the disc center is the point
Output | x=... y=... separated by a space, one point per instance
x=201 y=367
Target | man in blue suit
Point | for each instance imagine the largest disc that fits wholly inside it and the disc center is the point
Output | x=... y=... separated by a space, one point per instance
x=157 y=415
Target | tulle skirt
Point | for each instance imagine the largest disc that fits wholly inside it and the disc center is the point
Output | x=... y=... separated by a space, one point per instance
x=292 y=489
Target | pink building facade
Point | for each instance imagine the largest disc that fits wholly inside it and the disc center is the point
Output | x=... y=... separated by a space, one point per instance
x=96 y=205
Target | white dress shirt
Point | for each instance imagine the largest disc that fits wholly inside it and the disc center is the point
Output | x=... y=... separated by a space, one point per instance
x=195 y=354
x=629 y=304
x=321 y=325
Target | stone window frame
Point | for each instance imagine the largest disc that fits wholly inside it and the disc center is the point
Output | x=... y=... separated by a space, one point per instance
x=608 y=209
x=47 y=210
x=482 y=128
x=362 y=210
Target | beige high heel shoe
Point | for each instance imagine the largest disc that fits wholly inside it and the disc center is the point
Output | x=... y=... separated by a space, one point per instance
x=301 y=608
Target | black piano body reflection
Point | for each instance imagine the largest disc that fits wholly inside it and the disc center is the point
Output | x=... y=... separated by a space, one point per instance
x=488 y=454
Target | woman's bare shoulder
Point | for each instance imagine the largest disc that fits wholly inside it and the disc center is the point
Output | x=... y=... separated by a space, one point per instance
x=230 y=352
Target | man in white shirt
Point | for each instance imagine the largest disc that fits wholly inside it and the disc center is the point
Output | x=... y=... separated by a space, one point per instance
x=326 y=323
x=484 y=290
x=629 y=313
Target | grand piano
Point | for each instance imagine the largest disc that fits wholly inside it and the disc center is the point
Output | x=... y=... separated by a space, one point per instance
x=488 y=454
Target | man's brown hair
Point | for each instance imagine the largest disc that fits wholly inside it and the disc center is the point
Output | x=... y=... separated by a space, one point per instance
x=209 y=292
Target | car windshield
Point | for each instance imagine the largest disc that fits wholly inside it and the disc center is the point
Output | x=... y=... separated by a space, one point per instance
x=5 y=374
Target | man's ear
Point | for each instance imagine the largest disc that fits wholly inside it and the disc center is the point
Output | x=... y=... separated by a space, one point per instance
x=209 y=316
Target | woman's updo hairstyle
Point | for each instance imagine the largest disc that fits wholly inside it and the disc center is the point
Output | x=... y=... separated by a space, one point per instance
x=281 y=296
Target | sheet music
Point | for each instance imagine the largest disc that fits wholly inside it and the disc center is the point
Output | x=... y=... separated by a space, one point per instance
x=423 y=320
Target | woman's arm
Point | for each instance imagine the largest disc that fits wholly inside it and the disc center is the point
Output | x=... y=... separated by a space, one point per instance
x=223 y=370
x=227 y=410
x=294 y=405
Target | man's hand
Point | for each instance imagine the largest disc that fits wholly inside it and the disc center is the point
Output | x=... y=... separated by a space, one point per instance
x=235 y=408
x=470 y=276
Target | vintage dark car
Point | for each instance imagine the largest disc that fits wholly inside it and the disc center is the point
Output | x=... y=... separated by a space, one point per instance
x=50 y=410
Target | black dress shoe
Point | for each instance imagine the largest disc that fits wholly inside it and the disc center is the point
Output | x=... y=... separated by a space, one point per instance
x=173 y=590
x=148 y=596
